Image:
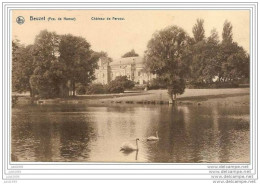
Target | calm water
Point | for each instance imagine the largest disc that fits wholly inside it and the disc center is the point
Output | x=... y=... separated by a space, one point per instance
x=79 y=133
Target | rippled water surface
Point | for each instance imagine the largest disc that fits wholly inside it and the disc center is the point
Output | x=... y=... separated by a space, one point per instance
x=188 y=134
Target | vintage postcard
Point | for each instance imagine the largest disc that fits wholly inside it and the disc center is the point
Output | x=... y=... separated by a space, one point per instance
x=81 y=86
x=131 y=86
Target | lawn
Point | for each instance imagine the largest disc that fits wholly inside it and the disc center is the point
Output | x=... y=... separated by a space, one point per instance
x=189 y=95
x=237 y=95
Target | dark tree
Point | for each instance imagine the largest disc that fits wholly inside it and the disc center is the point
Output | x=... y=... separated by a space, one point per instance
x=45 y=51
x=199 y=61
x=120 y=84
x=79 y=59
x=234 y=59
x=102 y=55
x=168 y=55
x=227 y=35
x=213 y=62
x=198 y=30
x=22 y=67
x=52 y=64
x=130 y=54
x=198 y=52
x=235 y=63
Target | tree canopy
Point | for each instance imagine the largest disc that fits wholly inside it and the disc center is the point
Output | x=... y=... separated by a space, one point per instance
x=168 y=56
x=176 y=58
x=53 y=64
x=198 y=30
x=132 y=53
x=78 y=58
x=119 y=84
x=44 y=81
x=227 y=35
x=22 y=67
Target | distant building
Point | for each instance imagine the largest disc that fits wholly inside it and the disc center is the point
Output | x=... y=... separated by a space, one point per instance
x=102 y=74
x=132 y=67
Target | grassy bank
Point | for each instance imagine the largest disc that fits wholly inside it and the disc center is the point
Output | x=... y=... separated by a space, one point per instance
x=191 y=96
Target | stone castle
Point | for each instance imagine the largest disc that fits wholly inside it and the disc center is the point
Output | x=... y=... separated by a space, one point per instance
x=132 y=67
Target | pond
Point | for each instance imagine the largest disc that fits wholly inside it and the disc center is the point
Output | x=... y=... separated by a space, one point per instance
x=79 y=133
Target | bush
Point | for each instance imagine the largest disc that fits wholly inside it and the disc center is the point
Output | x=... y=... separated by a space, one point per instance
x=224 y=85
x=96 y=89
x=80 y=89
x=120 y=84
x=157 y=84
x=212 y=85
x=114 y=88
x=139 y=87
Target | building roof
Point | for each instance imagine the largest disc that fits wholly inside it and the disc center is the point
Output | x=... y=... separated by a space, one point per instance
x=127 y=61
x=104 y=60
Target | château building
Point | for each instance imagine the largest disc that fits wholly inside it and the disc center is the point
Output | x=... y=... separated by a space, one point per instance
x=132 y=67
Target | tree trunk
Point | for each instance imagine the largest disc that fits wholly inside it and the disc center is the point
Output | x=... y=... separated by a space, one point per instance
x=73 y=88
x=31 y=93
x=32 y=99
x=170 y=95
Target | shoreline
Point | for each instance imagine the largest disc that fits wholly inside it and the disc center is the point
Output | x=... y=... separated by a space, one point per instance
x=153 y=97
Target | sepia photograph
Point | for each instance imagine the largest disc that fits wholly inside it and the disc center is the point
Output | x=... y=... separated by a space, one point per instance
x=130 y=86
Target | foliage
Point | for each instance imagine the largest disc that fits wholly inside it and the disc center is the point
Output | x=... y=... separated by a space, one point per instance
x=139 y=87
x=103 y=55
x=47 y=74
x=198 y=31
x=213 y=62
x=198 y=49
x=119 y=84
x=80 y=89
x=97 y=89
x=79 y=60
x=234 y=60
x=130 y=54
x=227 y=35
x=157 y=83
x=226 y=60
x=177 y=87
x=235 y=63
x=205 y=62
x=199 y=60
x=168 y=55
x=53 y=64
x=212 y=85
x=22 y=67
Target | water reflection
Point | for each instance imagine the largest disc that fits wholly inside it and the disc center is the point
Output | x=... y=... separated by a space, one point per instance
x=188 y=134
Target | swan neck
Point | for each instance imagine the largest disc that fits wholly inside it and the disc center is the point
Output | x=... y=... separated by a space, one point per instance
x=136 y=144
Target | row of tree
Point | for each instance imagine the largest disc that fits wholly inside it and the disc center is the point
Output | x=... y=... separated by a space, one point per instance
x=56 y=64
x=53 y=65
x=176 y=58
x=118 y=85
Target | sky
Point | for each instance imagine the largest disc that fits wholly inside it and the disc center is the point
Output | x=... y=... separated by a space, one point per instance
x=133 y=31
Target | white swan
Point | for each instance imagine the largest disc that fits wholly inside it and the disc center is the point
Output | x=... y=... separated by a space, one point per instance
x=153 y=138
x=129 y=147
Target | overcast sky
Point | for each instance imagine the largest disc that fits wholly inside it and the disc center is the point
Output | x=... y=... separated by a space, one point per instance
x=117 y=37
